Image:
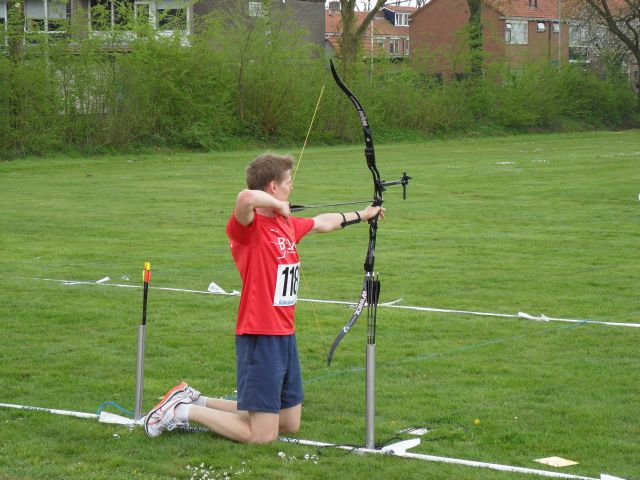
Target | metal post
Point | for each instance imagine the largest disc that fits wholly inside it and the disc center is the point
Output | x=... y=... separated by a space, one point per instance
x=370 y=410
x=140 y=371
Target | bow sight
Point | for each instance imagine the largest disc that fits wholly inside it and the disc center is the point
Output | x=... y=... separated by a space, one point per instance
x=404 y=181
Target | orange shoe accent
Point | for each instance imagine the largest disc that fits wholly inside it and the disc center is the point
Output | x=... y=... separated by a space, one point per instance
x=180 y=386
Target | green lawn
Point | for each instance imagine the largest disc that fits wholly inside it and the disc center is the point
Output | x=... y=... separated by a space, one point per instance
x=542 y=224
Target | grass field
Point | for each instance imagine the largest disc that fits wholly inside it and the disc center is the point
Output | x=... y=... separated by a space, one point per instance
x=542 y=224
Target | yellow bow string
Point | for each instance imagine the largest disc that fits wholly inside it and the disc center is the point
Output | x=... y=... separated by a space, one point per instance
x=306 y=139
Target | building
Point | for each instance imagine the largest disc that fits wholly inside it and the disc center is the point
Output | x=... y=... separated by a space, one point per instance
x=515 y=31
x=387 y=35
x=167 y=16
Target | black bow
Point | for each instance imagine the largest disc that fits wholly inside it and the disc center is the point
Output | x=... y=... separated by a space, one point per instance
x=371 y=284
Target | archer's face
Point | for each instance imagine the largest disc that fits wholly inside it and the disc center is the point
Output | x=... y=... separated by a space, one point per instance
x=282 y=189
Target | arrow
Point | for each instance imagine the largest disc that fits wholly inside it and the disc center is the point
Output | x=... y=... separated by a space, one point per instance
x=298 y=208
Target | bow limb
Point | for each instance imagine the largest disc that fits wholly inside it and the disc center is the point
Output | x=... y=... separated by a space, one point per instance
x=352 y=321
x=369 y=151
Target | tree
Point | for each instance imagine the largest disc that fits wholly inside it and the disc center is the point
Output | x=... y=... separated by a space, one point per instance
x=475 y=36
x=352 y=34
x=15 y=31
x=621 y=18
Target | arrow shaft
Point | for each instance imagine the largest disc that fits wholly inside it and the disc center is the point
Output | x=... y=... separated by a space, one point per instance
x=297 y=208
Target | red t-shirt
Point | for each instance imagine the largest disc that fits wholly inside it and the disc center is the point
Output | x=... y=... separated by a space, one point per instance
x=266 y=256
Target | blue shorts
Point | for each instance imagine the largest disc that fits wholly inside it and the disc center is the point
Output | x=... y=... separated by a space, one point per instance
x=268 y=373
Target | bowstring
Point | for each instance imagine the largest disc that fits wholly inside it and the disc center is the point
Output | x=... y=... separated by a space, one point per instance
x=306 y=139
x=295 y=172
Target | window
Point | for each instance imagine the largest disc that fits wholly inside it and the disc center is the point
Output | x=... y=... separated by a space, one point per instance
x=58 y=11
x=256 y=9
x=172 y=19
x=166 y=15
x=579 y=54
x=516 y=32
x=578 y=36
x=105 y=14
x=122 y=12
x=540 y=27
x=142 y=13
x=533 y=3
x=49 y=16
x=100 y=13
x=3 y=16
x=556 y=27
x=578 y=44
x=394 y=46
x=171 y=15
x=34 y=16
x=402 y=19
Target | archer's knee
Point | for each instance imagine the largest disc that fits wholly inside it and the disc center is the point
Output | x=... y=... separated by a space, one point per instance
x=290 y=426
x=260 y=438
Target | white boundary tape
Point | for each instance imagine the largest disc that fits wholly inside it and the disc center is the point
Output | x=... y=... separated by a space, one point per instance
x=50 y=410
x=401 y=452
x=392 y=304
x=104 y=417
x=397 y=450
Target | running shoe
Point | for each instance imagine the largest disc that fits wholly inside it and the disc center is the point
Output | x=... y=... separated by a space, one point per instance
x=162 y=416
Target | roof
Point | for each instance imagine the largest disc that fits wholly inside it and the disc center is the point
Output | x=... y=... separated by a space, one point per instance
x=531 y=9
x=333 y=20
x=543 y=9
x=399 y=9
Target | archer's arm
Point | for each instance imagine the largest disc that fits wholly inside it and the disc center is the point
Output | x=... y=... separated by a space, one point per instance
x=248 y=200
x=327 y=222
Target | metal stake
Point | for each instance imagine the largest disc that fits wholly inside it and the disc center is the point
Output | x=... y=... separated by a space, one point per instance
x=370 y=409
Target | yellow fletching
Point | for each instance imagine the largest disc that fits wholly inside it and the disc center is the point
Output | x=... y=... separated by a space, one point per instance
x=146 y=273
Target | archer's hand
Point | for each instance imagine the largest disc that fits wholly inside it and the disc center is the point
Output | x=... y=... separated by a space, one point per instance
x=284 y=209
x=371 y=211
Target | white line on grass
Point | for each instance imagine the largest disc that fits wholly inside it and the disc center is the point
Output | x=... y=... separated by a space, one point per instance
x=396 y=450
x=392 y=304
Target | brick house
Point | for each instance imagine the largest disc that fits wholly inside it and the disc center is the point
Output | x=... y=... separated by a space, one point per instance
x=515 y=31
x=166 y=15
x=387 y=35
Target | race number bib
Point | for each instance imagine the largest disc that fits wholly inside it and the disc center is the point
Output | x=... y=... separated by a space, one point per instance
x=286 y=293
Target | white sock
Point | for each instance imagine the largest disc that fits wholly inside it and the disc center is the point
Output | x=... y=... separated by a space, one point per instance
x=201 y=401
x=182 y=412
